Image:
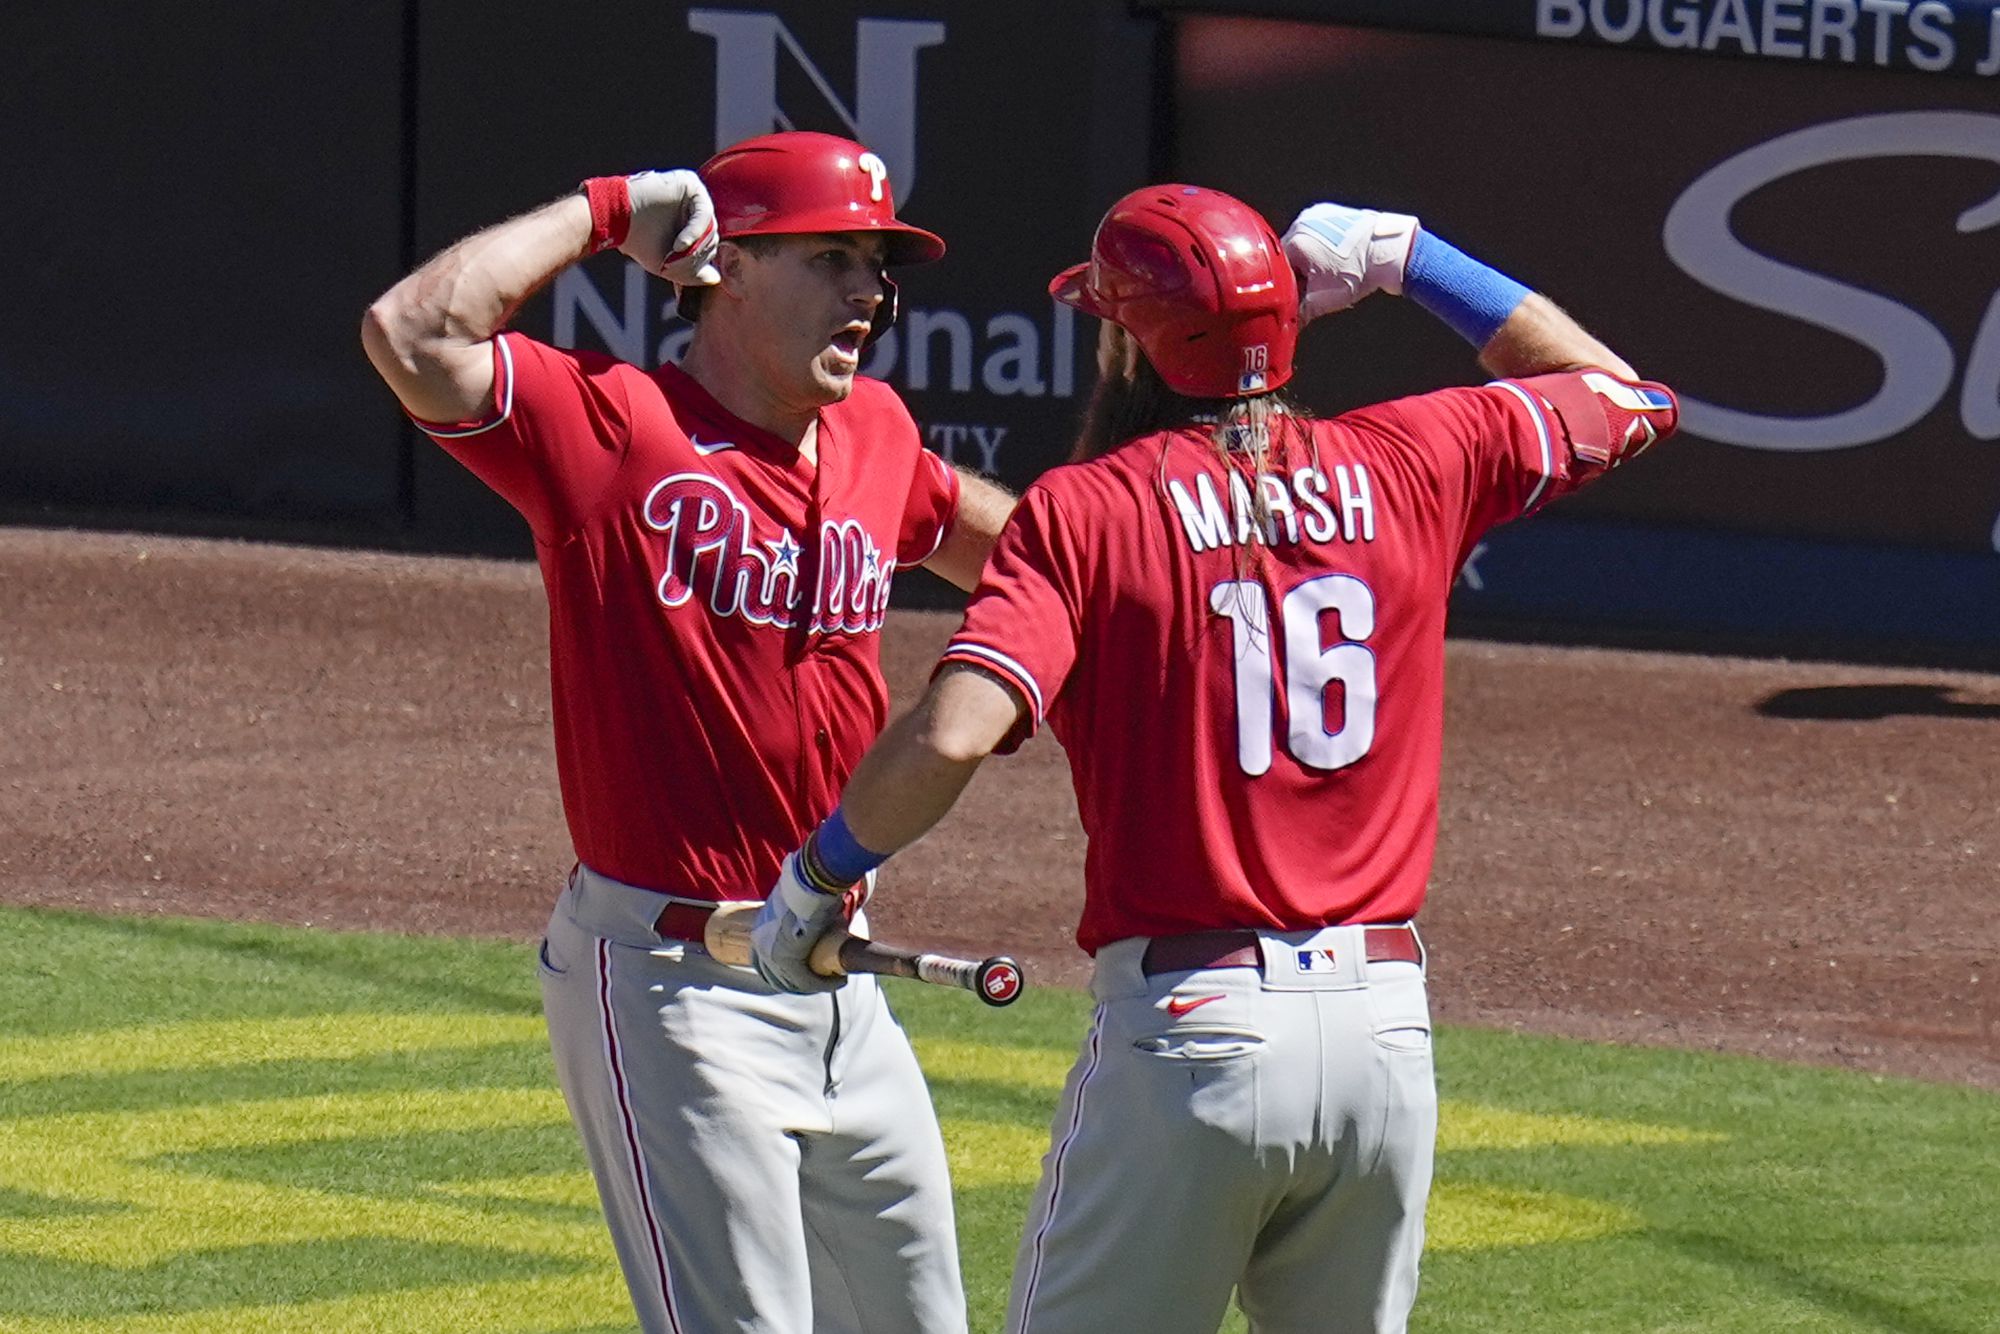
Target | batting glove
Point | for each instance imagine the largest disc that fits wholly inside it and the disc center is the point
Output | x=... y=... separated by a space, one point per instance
x=1342 y=254
x=673 y=231
x=789 y=924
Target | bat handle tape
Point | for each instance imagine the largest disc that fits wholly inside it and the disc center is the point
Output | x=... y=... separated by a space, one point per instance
x=945 y=972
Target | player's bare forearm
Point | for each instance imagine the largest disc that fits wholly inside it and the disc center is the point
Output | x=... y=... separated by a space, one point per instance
x=428 y=335
x=1538 y=339
x=983 y=508
x=915 y=771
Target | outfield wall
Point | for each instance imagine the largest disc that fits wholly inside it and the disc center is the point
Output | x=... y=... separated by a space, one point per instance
x=1789 y=209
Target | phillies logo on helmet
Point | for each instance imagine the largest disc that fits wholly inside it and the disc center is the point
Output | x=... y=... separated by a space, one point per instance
x=878 y=174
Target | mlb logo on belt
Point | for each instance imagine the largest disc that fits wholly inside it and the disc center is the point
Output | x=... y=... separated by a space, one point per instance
x=1316 y=961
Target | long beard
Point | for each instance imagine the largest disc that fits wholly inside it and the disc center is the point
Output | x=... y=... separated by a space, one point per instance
x=1122 y=409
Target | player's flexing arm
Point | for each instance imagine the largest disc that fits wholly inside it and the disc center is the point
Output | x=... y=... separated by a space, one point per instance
x=430 y=336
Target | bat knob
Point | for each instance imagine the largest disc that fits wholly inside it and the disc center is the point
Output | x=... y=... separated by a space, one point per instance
x=998 y=980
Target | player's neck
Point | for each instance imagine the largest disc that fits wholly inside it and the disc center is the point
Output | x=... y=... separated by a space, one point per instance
x=735 y=384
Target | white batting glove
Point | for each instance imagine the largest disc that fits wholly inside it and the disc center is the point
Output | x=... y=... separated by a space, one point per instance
x=1342 y=254
x=790 y=923
x=673 y=233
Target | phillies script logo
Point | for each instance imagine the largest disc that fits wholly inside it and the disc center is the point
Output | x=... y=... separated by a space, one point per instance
x=712 y=550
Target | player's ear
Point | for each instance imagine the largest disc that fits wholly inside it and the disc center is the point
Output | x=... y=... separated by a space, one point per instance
x=1128 y=356
x=1117 y=352
x=732 y=262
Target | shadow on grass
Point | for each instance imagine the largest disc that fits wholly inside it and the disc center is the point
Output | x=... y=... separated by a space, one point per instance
x=1828 y=1294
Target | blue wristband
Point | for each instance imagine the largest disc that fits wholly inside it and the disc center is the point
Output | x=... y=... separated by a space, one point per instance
x=1470 y=297
x=832 y=852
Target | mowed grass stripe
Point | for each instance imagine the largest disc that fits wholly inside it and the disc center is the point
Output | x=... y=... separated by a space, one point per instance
x=225 y=1128
x=210 y=1044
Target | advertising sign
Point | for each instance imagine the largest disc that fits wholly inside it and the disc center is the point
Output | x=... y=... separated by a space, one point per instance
x=1930 y=36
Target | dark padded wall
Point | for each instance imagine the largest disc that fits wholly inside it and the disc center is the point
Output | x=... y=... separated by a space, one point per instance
x=201 y=200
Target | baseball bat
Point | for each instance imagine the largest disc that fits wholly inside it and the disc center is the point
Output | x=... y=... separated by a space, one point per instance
x=997 y=980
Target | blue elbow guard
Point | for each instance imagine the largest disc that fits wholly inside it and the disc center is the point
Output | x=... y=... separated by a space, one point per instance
x=1473 y=299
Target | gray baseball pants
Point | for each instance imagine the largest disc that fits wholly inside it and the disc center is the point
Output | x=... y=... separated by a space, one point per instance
x=768 y=1164
x=1266 y=1129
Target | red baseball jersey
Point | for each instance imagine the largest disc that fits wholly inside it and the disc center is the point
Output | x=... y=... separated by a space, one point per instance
x=714 y=603
x=1252 y=698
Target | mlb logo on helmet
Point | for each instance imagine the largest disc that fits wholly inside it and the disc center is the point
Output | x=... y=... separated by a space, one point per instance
x=1256 y=362
x=1316 y=961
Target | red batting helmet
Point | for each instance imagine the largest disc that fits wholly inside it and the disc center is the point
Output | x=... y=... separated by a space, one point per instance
x=1201 y=281
x=799 y=181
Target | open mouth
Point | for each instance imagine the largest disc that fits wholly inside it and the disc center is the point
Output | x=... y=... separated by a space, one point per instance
x=847 y=341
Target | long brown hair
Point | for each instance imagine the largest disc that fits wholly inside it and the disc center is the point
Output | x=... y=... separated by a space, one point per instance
x=1247 y=434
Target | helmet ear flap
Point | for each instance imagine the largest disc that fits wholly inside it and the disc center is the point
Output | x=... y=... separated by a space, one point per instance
x=885 y=313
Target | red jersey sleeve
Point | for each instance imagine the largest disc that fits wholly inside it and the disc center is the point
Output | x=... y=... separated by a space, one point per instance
x=1494 y=447
x=928 y=510
x=557 y=433
x=1025 y=620
x=1508 y=448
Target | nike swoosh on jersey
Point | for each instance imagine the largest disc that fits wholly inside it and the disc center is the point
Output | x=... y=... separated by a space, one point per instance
x=1180 y=1005
x=716 y=448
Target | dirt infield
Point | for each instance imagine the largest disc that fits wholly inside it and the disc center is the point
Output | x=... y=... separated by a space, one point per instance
x=1790 y=859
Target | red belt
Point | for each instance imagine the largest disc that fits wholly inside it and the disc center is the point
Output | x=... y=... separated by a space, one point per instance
x=683 y=921
x=1238 y=949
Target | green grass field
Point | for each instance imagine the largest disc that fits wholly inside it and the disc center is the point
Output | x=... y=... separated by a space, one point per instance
x=221 y=1128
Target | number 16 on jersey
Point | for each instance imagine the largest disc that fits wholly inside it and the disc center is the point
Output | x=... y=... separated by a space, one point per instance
x=1311 y=667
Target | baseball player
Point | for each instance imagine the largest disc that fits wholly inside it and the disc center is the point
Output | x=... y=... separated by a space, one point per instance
x=717 y=541
x=1233 y=618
